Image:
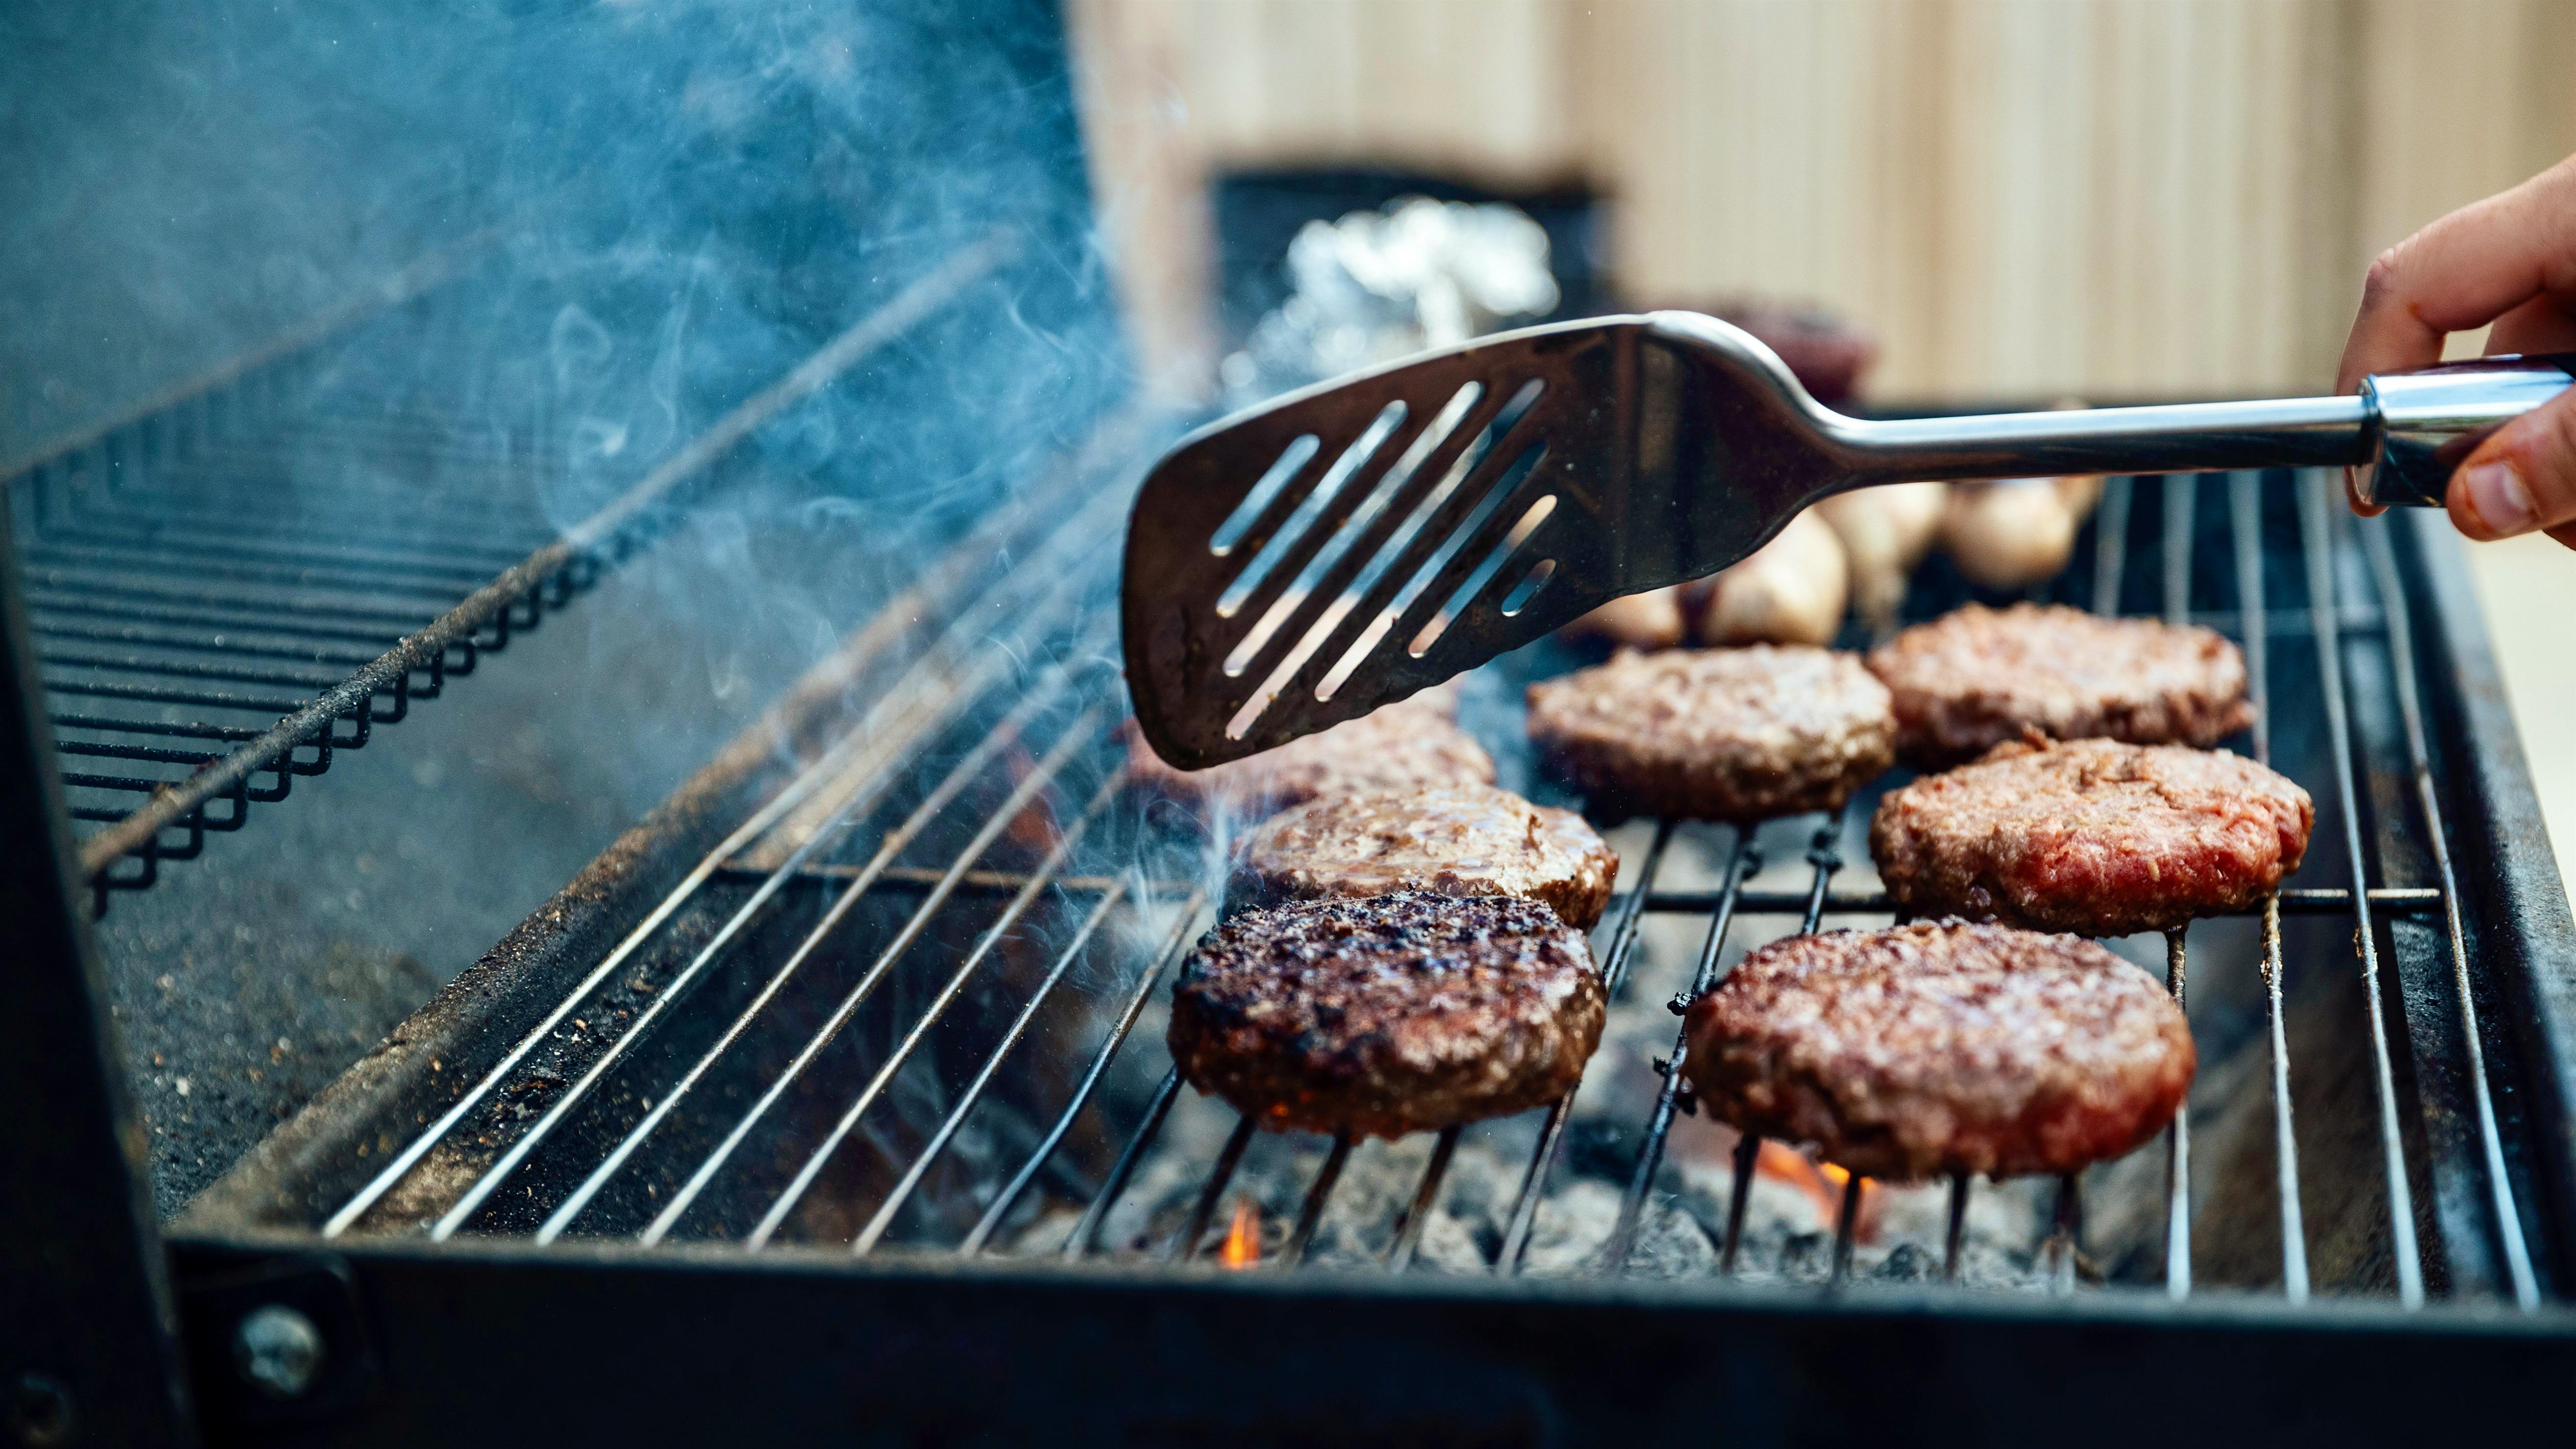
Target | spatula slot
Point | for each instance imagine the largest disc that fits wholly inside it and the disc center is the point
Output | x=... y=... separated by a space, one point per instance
x=1361 y=519
x=1308 y=511
x=1257 y=502
x=1527 y=589
x=1501 y=554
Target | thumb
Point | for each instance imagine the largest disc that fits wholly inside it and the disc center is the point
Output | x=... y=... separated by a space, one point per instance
x=2523 y=477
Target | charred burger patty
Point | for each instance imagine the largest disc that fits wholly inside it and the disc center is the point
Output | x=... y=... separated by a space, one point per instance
x=1940 y=1048
x=1387 y=1015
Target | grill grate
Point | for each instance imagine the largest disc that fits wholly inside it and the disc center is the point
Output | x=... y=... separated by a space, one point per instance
x=827 y=985
x=208 y=633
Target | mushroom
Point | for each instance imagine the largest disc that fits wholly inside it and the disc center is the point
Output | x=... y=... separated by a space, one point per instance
x=1651 y=620
x=1789 y=591
x=2016 y=532
x=1885 y=532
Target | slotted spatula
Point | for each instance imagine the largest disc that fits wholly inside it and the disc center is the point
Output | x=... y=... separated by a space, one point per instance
x=1302 y=563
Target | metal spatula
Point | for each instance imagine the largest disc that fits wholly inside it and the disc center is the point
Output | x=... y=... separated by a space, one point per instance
x=1303 y=563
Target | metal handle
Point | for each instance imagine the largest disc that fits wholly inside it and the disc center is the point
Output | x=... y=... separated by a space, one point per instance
x=2404 y=431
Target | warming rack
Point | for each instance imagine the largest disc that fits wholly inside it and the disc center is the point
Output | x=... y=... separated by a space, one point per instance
x=972 y=659
x=204 y=641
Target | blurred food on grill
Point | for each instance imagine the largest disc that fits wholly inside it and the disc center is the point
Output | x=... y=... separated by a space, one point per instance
x=1389 y=1014
x=1885 y=532
x=1942 y=1047
x=2016 y=532
x=1458 y=840
x=1977 y=677
x=1409 y=744
x=1829 y=355
x=1792 y=590
x=1717 y=734
x=2094 y=836
x=1651 y=620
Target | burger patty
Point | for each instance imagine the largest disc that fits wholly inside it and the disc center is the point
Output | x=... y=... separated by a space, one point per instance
x=1386 y=1015
x=2094 y=836
x=1411 y=743
x=1717 y=734
x=1456 y=840
x=1941 y=1048
x=1977 y=677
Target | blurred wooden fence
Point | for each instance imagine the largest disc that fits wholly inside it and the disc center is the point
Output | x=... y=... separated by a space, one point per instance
x=2022 y=197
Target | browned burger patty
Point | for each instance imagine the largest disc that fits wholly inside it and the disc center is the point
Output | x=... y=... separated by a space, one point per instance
x=1457 y=840
x=1942 y=1047
x=1977 y=677
x=1408 y=744
x=2093 y=836
x=1717 y=734
x=1387 y=1015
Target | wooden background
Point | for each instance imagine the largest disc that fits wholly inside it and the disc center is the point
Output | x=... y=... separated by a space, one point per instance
x=2021 y=197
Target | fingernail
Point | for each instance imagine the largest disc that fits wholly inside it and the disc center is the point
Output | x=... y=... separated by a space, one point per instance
x=2501 y=502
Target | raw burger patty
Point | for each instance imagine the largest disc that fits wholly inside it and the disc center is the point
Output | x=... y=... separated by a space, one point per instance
x=1942 y=1047
x=1457 y=840
x=1387 y=1015
x=2093 y=836
x=1717 y=734
x=1975 y=678
x=1408 y=744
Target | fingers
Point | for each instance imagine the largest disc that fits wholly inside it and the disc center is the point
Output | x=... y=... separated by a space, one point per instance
x=2543 y=324
x=2522 y=478
x=2464 y=271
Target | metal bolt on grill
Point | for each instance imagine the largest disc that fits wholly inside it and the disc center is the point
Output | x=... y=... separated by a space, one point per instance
x=900 y=1001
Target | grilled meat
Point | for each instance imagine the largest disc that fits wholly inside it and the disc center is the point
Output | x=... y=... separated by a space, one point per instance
x=1942 y=1047
x=2094 y=836
x=1977 y=677
x=1721 y=734
x=1386 y=1015
x=1408 y=744
x=1457 y=840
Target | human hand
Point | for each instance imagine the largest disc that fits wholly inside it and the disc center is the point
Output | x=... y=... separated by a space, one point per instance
x=2509 y=260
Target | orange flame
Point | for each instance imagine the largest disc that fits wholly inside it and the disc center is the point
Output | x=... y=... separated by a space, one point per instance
x=1242 y=1237
x=1821 y=1182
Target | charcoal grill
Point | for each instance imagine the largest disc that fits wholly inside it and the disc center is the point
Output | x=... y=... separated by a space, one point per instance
x=847 y=1059
x=829 y=1101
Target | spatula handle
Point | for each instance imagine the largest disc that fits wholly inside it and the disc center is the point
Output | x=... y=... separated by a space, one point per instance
x=2405 y=431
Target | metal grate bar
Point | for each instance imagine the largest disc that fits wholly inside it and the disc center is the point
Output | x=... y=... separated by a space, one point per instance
x=1823 y=855
x=2392 y=597
x=1741 y=863
x=1614 y=975
x=894 y=842
x=2316 y=523
x=846 y=817
x=2178 y=1144
x=1426 y=1196
x=1184 y=1245
x=115 y=512
x=1009 y=1196
x=2245 y=504
x=2110 y=544
x=1311 y=1215
x=1086 y=1233
x=927 y=694
x=1083 y=733
x=974 y=1093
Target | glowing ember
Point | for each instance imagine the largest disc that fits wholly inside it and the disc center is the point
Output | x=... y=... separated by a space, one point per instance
x=1242 y=1237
